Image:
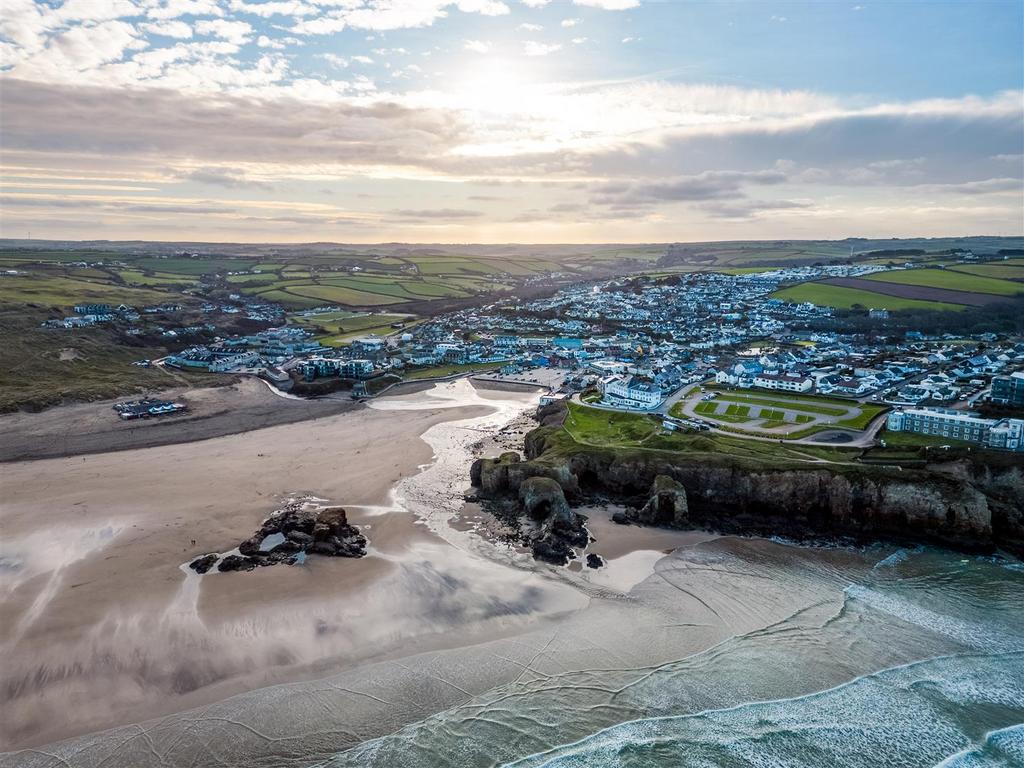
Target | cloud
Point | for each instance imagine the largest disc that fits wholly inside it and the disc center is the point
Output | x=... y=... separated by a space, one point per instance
x=265 y=42
x=438 y=213
x=535 y=3
x=172 y=28
x=567 y=23
x=272 y=8
x=527 y=27
x=711 y=185
x=483 y=7
x=230 y=178
x=579 y=40
x=236 y=32
x=983 y=187
x=609 y=5
x=533 y=48
x=324 y=25
x=477 y=46
x=746 y=209
x=172 y=9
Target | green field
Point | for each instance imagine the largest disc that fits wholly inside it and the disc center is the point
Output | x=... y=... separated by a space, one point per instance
x=42 y=367
x=291 y=295
x=846 y=298
x=64 y=292
x=339 y=328
x=948 y=279
x=187 y=266
x=914 y=440
x=1004 y=270
x=806 y=403
x=772 y=414
x=437 y=371
x=612 y=429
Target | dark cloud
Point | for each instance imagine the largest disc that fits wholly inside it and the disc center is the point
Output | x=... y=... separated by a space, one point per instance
x=745 y=209
x=438 y=213
x=711 y=185
x=230 y=178
x=124 y=124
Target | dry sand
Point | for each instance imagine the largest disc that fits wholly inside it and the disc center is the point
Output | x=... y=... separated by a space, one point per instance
x=100 y=625
x=72 y=430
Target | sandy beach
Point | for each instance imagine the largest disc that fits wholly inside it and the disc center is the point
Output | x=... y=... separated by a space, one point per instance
x=85 y=428
x=443 y=646
x=97 y=609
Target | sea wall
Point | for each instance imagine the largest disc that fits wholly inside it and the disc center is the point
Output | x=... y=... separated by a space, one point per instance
x=961 y=504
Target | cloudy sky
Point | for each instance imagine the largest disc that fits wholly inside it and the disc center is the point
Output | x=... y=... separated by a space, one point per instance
x=509 y=120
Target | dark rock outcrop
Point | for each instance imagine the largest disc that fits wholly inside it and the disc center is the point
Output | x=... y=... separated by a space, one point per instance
x=296 y=530
x=542 y=497
x=966 y=503
x=561 y=529
x=237 y=563
x=204 y=563
x=666 y=505
x=594 y=560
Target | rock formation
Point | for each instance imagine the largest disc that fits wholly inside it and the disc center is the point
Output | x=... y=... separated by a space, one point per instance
x=288 y=533
x=560 y=529
x=666 y=504
x=965 y=503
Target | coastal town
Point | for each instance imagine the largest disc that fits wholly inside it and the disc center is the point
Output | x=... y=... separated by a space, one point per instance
x=678 y=346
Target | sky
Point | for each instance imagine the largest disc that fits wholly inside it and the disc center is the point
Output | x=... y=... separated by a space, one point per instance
x=531 y=121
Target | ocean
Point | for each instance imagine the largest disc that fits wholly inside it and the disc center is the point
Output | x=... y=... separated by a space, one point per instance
x=894 y=658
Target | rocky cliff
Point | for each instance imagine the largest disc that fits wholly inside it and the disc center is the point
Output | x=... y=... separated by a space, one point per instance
x=964 y=504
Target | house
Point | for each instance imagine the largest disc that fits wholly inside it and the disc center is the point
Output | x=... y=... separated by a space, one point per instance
x=92 y=309
x=966 y=426
x=631 y=392
x=1008 y=390
x=783 y=381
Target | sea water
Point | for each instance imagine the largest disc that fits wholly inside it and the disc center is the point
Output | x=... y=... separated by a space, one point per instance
x=918 y=662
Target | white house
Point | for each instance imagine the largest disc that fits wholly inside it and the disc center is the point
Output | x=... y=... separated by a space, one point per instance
x=783 y=381
x=629 y=392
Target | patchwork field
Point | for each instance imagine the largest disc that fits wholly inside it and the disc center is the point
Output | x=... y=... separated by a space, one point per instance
x=339 y=328
x=826 y=294
x=952 y=288
x=915 y=292
x=948 y=280
x=1004 y=270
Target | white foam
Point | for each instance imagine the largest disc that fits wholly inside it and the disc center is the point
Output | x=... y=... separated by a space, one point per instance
x=972 y=635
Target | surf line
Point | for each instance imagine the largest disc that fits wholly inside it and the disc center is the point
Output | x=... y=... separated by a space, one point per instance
x=567 y=749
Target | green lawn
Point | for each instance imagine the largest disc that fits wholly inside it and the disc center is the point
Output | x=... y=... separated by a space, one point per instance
x=914 y=440
x=782 y=401
x=613 y=429
x=846 y=298
x=866 y=416
x=437 y=371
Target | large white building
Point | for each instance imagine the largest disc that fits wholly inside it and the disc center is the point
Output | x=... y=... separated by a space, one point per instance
x=1007 y=434
x=783 y=381
x=629 y=392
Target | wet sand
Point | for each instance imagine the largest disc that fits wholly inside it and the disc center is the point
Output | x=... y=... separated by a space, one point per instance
x=101 y=625
x=442 y=647
x=73 y=430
